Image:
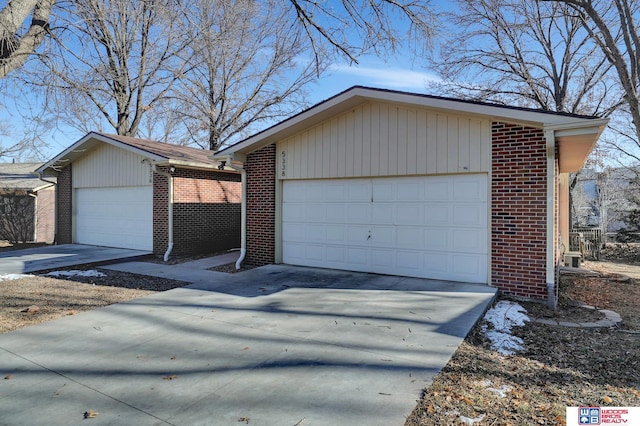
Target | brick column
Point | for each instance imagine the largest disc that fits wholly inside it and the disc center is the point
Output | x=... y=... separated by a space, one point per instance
x=261 y=206
x=519 y=210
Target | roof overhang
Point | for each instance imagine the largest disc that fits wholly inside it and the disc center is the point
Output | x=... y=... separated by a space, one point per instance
x=575 y=144
x=87 y=143
x=576 y=135
x=92 y=140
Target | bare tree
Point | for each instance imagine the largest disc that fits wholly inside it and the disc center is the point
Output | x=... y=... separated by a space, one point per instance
x=19 y=39
x=612 y=26
x=119 y=63
x=111 y=61
x=243 y=66
x=17 y=217
x=532 y=53
x=374 y=24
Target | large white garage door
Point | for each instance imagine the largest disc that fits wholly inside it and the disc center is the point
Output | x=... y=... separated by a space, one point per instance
x=115 y=217
x=429 y=227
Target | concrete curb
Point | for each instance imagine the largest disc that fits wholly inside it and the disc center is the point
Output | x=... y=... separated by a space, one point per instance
x=611 y=319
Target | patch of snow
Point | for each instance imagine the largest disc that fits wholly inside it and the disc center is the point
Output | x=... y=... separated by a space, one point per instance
x=77 y=273
x=503 y=316
x=470 y=421
x=10 y=277
x=501 y=391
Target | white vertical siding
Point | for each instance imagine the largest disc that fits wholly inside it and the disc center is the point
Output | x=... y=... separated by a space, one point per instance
x=384 y=139
x=109 y=166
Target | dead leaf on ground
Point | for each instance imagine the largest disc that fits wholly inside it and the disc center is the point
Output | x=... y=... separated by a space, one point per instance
x=171 y=377
x=90 y=414
x=246 y=348
x=244 y=419
x=31 y=309
x=607 y=399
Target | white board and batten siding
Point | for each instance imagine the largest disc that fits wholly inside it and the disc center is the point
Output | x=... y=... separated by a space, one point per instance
x=380 y=139
x=388 y=189
x=113 y=199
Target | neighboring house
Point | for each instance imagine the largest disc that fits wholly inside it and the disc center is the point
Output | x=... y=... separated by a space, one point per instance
x=27 y=204
x=601 y=198
x=404 y=184
x=119 y=191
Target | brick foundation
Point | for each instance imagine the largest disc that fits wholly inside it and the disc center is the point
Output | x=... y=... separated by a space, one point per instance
x=519 y=210
x=261 y=206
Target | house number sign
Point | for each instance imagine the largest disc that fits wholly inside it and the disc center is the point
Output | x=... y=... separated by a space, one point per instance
x=283 y=164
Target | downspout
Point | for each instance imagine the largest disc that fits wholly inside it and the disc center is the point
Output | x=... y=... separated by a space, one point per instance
x=243 y=211
x=169 y=177
x=56 y=205
x=551 y=229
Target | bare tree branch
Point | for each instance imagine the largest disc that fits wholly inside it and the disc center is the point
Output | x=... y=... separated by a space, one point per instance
x=17 y=45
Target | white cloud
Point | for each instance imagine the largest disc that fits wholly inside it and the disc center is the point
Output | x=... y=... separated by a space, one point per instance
x=386 y=76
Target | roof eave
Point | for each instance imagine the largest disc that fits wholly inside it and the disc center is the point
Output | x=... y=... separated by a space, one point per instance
x=357 y=95
x=77 y=149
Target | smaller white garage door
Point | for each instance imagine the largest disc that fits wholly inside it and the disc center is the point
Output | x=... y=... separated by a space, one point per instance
x=429 y=227
x=115 y=217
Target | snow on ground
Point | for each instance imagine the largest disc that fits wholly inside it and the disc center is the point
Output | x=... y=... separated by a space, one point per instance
x=502 y=317
x=77 y=273
x=9 y=277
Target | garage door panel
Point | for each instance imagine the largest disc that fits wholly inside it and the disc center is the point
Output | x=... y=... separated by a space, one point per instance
x=436 y=190
x=413 y=226
x=467 y=214
x=114 y=217
x=438 y=214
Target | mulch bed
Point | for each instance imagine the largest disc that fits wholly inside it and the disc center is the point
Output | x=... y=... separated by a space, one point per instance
x=560 y=366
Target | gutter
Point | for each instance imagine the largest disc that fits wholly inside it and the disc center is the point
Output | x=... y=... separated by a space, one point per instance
x=243 y=209
x=169 y=177
x=552 y=298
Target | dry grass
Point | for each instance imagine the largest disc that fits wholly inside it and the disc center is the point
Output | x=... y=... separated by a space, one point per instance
x=35 y=299
x=560 y=367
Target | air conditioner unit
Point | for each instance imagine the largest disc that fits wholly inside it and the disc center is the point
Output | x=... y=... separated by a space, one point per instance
x=572 y=259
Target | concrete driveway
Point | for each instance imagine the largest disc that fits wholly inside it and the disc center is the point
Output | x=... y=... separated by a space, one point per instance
x=60 y=256
x=276 y=345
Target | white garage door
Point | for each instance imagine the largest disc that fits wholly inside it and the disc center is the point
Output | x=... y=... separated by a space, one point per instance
x=115 y=217
x=429 y=227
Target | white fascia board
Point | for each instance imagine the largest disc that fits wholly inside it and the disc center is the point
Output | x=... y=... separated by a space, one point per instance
x=70 y=154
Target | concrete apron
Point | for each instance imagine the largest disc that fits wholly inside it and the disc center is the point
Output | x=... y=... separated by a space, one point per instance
x=276 y=345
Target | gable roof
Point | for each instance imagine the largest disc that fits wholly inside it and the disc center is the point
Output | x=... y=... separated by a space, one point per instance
x=160 y=153
x=21 y=177
x=576 y=134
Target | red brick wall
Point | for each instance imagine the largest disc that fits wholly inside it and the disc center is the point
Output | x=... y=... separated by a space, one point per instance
x=261 y=206
x=46 y=215
x=64 y=214
x=160 y=212
x=206 y=211
x=519 y=210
